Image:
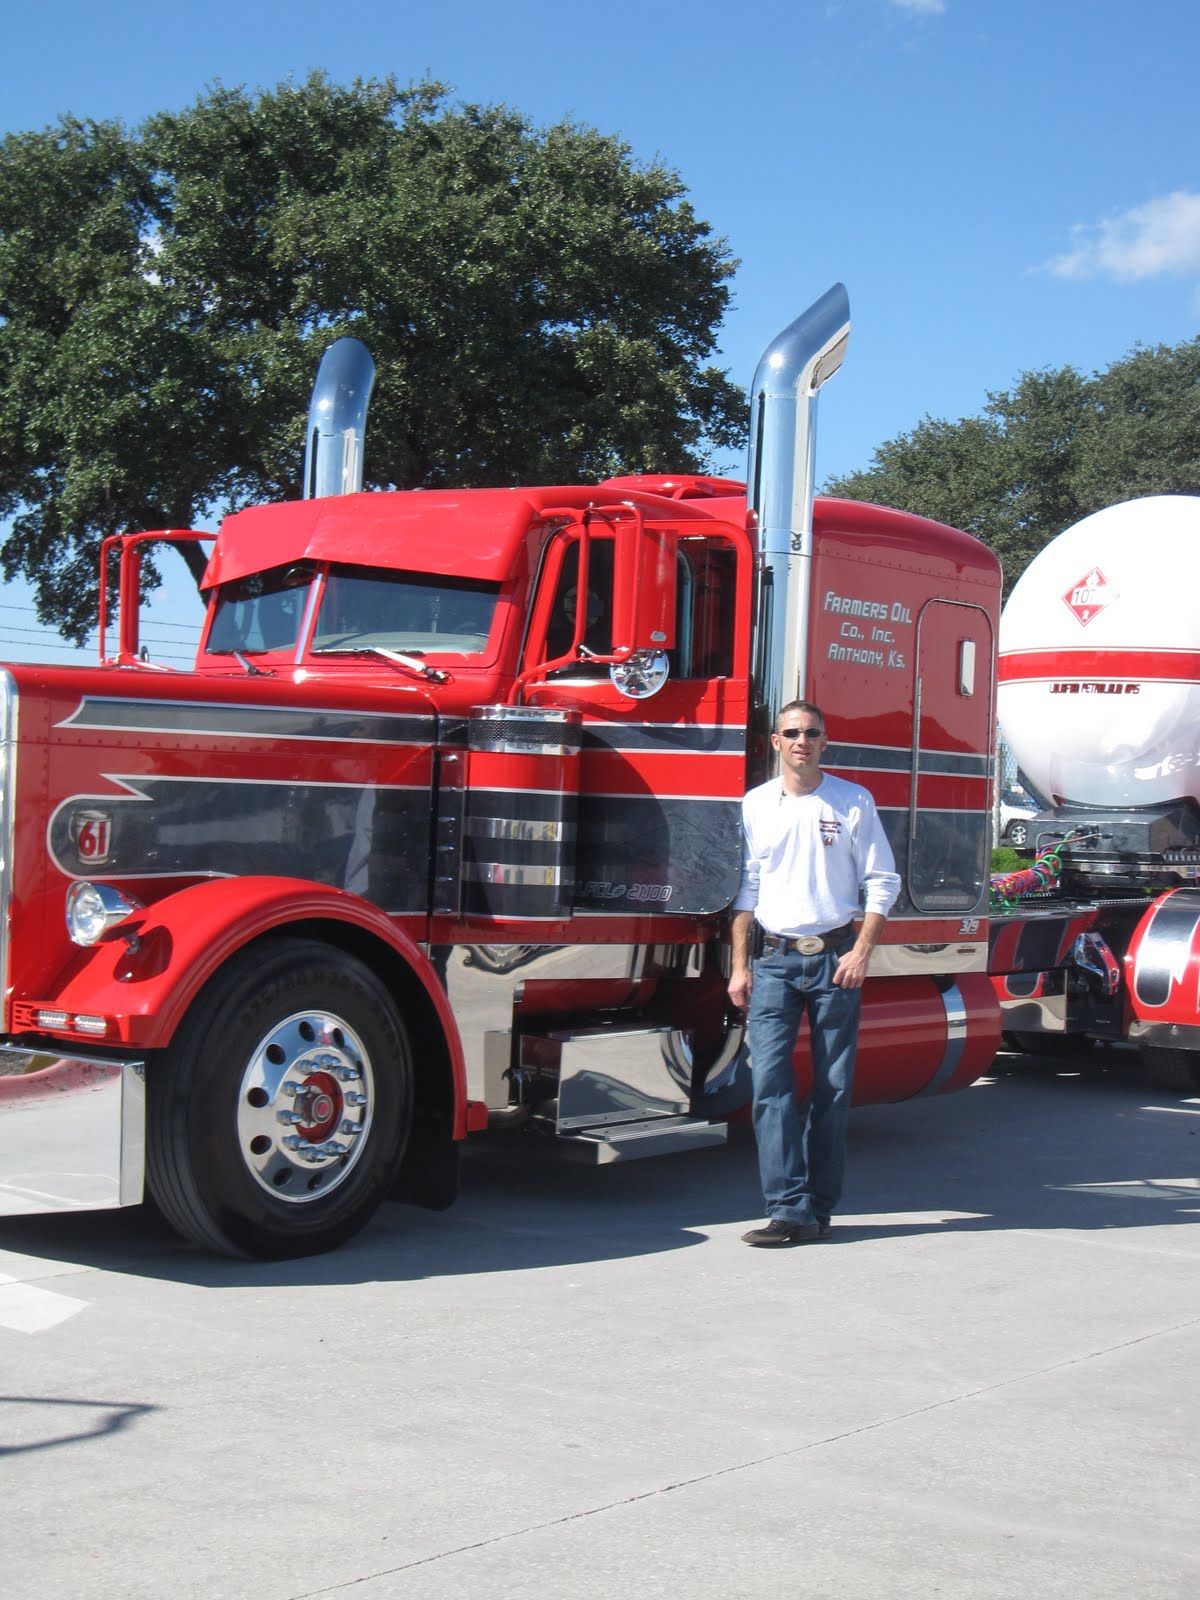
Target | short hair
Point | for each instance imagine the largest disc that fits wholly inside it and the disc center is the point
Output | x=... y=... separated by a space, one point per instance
x=799 y=705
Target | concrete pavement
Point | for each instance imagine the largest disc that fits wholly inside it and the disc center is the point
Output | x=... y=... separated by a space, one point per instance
x=580 y=1383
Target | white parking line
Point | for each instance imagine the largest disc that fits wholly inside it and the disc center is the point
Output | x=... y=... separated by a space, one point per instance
x=24 y=1308
x=1137 y=1188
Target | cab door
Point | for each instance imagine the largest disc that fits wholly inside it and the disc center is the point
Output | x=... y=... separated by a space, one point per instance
x=661 y=777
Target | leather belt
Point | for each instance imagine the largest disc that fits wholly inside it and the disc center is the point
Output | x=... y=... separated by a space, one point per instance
x=809 y=944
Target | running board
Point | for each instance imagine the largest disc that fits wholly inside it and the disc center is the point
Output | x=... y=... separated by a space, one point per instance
x=630 y=1141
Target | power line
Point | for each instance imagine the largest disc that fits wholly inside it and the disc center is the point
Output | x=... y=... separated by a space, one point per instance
x=11 y=649
x=145 y=632
x=55 y=641
x=153 y=622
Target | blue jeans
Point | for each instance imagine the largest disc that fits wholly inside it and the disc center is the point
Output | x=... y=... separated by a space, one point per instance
x=802 y=1144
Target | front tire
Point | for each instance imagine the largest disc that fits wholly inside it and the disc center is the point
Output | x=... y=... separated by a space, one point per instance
x=278 y=1119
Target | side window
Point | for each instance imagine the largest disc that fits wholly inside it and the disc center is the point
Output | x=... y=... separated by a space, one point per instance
x=707 y=590
x=706 y=598
x=561 y=628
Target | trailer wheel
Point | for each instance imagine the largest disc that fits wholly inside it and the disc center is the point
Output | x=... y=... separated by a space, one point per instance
x=278 y=1119
x=1168 y=1068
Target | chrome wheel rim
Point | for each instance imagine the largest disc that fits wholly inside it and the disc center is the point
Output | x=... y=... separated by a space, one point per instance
x=305 y=1105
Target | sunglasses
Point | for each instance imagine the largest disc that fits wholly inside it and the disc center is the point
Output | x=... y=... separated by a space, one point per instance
x=801 y=733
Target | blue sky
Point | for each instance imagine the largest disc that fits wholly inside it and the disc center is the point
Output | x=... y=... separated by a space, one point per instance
x=1002 y=185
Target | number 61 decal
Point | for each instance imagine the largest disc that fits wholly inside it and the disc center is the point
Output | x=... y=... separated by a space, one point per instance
x=92 y=833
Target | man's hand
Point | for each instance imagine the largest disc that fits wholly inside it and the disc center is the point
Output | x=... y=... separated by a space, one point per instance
x=740 y=985
x=741 y=980
x=852 y=968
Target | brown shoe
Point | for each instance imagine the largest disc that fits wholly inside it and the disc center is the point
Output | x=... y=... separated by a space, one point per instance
x=777 y=1235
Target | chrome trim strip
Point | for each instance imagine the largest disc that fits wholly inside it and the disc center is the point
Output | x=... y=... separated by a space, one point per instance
x=498 y=872
x=524 y=730
x=904 y=960
x=956 y=1039
x=524 y=747
x=510 y=828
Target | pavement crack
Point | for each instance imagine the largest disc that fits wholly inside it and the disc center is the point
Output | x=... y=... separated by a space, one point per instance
x=758 y=1461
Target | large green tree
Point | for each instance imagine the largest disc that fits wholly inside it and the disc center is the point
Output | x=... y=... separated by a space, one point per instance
x=541 y=308
x=1047 y=452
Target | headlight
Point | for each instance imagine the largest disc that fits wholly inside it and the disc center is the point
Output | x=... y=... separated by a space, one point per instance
x=93 y=908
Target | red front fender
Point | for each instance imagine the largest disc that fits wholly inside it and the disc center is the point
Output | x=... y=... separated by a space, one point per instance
x=143 y=989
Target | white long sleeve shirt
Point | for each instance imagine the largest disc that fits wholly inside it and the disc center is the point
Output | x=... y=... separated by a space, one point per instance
x=812 y=862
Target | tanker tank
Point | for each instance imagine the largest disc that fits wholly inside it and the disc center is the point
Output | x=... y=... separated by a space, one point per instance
x=1099 y=661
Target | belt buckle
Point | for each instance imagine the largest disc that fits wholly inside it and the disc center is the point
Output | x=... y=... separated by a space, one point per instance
x=811 y=944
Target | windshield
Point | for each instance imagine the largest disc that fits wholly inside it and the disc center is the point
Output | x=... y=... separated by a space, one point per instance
x=262 y=612
x=406 y=612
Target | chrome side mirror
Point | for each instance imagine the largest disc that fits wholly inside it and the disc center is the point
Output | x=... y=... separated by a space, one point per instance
x=641 y=674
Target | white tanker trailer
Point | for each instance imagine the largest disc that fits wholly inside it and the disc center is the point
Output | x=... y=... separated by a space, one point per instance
x=1099 y=701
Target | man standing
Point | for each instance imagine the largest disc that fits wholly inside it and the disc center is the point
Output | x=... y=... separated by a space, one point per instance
x=814 y=852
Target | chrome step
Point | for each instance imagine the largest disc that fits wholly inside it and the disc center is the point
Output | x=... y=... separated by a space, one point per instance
x=630 y=1141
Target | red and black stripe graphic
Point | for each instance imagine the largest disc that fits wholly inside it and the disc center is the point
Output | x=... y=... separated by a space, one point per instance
x=367 y=838
x=642 y=820
x=214 y=791
x=660 y=814
x=1165 y=953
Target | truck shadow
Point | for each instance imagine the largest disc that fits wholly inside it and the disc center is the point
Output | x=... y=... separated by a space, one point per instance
x=1032 y=1146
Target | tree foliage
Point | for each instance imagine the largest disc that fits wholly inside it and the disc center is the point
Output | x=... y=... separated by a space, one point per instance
x=541 y=308
x=1054 y=448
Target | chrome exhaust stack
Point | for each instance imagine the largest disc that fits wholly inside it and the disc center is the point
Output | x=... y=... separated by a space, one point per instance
x=337 y=420
x=780 y=479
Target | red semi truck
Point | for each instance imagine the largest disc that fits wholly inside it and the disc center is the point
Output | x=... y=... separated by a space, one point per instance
x=239 y=903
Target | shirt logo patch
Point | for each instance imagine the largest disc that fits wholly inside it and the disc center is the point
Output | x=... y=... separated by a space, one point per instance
x=830 y=828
